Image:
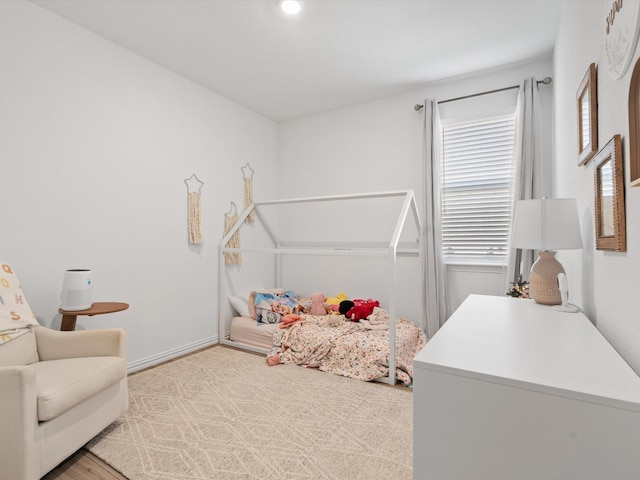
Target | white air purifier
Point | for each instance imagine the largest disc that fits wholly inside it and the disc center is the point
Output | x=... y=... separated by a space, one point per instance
x=76 y=290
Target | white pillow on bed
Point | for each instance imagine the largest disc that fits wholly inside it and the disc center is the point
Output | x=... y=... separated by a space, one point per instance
x=241 y=305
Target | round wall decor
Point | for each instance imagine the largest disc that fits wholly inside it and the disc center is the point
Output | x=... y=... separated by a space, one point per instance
x=620 y=34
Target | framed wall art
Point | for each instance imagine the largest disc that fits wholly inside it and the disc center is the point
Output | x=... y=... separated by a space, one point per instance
x=609 y=213
x=634 y=126
x=587 y=107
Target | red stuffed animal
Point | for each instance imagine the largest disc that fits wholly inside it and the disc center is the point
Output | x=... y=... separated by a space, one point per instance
x=361 y=309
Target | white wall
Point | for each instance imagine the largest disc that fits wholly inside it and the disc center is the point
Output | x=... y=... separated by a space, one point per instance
x=94 y=145
x=376 y=146
x=604 y=284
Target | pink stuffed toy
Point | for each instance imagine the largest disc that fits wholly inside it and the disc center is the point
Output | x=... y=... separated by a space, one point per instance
x=318 y=307
x=361 y=309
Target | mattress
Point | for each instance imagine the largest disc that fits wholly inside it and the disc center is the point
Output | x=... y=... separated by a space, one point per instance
x=248 y=331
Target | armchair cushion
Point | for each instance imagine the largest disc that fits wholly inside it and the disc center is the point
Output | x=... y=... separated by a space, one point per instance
x=64 y=383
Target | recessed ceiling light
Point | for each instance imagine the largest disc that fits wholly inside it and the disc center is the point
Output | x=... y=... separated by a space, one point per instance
x=291 y=7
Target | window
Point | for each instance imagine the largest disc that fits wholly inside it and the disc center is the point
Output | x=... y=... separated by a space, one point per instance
x=477 y=170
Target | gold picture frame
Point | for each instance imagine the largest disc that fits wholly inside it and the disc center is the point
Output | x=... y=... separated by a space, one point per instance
x=609 y=212
x=587 y=107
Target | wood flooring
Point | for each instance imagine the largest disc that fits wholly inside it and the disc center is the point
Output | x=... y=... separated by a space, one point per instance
x=83 y=465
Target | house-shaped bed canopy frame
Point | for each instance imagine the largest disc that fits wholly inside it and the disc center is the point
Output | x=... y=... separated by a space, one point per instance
x=390 y=249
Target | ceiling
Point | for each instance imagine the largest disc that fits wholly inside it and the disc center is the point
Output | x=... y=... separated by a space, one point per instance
x=335 y=53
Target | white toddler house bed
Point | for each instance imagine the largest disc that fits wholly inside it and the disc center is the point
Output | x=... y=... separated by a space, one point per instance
x=243 y=331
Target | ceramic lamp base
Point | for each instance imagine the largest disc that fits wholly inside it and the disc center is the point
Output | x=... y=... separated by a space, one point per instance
x=543 y=282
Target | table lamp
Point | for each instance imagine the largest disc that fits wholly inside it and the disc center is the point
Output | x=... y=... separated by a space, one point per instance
x=546 y=225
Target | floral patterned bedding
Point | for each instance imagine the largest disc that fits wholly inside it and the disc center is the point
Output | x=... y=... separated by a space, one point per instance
x=349 y=349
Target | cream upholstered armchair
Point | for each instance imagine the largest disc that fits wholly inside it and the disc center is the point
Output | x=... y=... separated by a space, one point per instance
x=57 y=389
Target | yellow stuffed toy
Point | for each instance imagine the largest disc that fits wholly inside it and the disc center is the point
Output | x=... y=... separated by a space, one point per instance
x=334 y=302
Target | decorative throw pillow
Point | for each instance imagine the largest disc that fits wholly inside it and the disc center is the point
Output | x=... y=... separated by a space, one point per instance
x=253 y=304
x=268 y=316
x=241 y=306
x=15 y=315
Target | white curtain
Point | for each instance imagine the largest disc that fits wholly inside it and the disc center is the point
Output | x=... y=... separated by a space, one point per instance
x=434 y=270
x=528 y=171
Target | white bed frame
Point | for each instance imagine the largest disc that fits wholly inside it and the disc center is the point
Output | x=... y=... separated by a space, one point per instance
x=391 y=249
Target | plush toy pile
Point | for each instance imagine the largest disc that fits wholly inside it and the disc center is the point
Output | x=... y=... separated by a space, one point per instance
x=354 y=310
x=270 y=306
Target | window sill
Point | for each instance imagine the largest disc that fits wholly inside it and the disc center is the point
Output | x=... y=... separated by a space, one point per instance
x=475 y=267
x=475 y=263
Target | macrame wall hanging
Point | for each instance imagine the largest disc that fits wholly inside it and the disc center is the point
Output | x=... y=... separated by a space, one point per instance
x=194 y=187
x=230 y=219
x=247 y=177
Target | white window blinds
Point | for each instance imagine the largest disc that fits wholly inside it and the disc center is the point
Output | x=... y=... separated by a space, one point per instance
x=476 y=189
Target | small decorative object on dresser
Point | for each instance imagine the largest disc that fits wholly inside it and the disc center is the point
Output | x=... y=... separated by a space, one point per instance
x=519 y=289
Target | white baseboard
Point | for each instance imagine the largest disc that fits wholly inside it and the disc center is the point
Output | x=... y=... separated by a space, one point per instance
x=170 y=354
x=244 y=346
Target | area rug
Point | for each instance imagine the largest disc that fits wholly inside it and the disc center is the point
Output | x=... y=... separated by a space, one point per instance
x=224 y=414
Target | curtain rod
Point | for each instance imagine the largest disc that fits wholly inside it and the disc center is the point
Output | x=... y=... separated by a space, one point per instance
x=545 y=81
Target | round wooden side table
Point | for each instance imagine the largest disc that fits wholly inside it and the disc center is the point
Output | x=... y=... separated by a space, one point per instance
x=98 y=308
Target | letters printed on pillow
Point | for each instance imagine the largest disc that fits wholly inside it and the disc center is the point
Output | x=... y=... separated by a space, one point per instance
x=15 y=315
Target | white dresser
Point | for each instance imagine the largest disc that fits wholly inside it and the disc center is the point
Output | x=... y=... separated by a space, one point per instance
x=512 y=390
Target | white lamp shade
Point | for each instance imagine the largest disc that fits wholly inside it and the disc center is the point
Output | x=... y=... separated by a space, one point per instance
x=546 y=224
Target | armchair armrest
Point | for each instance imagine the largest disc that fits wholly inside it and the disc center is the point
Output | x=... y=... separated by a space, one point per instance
x=19 y=450
x=55 y=345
